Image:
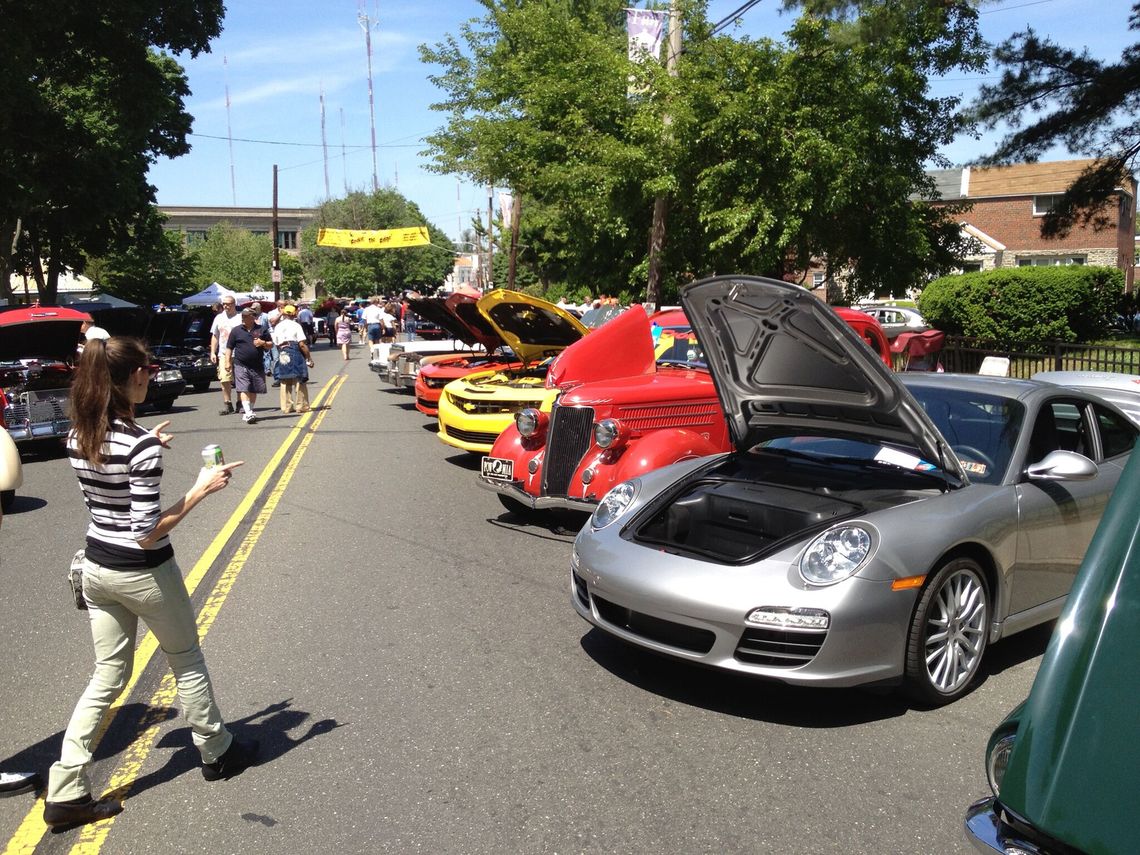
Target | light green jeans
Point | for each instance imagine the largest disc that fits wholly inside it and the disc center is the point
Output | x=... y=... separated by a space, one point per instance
x=116 y=599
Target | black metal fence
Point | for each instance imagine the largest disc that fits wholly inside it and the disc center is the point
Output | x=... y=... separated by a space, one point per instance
x=965 y=355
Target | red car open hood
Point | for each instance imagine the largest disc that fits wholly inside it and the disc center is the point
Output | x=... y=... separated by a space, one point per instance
x=622 y=347
x=50 y=332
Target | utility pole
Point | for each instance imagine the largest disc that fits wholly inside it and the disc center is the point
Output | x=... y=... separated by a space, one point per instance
x=275 y=273
x=661 y=203
x=229 y=129
x=490 y=236
x=366 y=23
x=516 y=215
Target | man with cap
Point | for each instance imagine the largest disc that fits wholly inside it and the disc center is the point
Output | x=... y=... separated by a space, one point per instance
x=293 y=361
x=243 y=362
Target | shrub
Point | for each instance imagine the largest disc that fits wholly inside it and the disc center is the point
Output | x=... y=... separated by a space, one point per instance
x=1024 y=304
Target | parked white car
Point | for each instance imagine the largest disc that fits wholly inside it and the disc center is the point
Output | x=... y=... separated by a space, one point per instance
x=896 y=319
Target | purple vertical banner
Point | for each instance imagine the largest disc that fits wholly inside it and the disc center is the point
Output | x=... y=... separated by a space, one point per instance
x=646 y=29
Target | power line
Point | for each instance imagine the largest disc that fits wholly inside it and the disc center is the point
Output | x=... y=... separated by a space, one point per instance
x=295 y=144
x=724 y=22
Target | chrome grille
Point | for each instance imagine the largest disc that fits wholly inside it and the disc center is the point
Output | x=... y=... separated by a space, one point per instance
x=780 y=648
x=662 y=416
x=568 y=440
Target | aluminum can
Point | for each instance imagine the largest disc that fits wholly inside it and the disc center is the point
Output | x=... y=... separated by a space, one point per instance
x=212 y=456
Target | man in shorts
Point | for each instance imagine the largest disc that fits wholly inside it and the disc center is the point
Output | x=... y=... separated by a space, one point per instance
x=226 y=320
x=244 y=360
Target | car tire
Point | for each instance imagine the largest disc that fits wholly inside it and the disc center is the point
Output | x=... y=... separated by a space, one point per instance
x=516 y=507
x=7 y=499
x=948 y=634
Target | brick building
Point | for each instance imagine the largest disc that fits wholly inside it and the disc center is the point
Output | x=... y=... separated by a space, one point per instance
x=1008 y=203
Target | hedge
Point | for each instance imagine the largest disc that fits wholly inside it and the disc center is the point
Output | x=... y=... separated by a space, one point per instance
x=1072 y=303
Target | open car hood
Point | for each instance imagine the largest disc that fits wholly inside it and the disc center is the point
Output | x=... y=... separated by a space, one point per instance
x=783 y=360
x=622 y=347
x=459 y=318
x=49 y=332
x=533 y=328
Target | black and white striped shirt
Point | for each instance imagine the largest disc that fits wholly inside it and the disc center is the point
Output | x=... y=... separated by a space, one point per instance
x=122 y=496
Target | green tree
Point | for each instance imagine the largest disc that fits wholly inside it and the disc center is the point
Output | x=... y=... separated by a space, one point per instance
x=776 y=153
x=88 y=100
x=355 y=272
x=151 y=268
x=242 y=261
x=1050 y=94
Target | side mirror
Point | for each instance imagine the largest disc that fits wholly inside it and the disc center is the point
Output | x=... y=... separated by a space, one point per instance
x=1062 y=466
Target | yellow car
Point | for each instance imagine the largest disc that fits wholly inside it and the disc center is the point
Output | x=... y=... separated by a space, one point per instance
x=475 y=409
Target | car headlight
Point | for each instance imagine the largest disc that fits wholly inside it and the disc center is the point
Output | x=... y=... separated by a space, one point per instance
x=614 y=504
x=835 y=555
x=530 y=422
x=609 y=433
x=997 y=761
x=169 y=375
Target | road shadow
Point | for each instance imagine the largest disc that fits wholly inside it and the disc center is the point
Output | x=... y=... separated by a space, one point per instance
x=739 y=695
x=269 y=726
x=1015 y=650
x=469 y=460
x=39 y=756
x=25 y=504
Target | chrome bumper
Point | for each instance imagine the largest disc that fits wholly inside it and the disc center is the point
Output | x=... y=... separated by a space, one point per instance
x=514 y=490
x=986 y=830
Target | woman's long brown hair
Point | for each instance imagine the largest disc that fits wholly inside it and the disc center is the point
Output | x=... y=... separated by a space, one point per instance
x=99 y=391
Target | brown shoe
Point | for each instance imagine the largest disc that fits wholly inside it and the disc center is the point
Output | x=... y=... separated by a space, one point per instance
x=80 y=811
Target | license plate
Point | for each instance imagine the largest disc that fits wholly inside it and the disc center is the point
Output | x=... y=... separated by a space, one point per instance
x=498 y=468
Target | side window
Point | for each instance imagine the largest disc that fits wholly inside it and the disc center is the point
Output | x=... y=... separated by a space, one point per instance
x=1117 y=435
x=1061 y=425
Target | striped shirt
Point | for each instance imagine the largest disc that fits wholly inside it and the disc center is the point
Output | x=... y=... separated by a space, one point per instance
x=121 y=495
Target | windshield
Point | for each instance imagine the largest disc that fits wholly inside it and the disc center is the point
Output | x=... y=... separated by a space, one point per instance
x=981 y=428
x=678 y=346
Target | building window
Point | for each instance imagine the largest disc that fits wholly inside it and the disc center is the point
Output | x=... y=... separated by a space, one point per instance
x=971 y=267
x=817 y=280
x=1051 y=261
x=286 y=240
x=195 y=236
x=1042 y=205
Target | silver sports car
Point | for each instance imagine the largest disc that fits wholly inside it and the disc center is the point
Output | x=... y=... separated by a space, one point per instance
x=868 y=527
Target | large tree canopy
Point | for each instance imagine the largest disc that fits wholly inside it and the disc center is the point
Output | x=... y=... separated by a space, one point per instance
x=362 y=272
x=1049 y=94
x=773 y=153
x=88 y=100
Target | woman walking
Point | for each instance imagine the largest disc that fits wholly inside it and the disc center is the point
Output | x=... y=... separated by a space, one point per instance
x=130 y=572
x=344 y=332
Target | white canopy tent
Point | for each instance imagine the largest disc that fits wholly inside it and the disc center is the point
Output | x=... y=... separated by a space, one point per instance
x=209 y=295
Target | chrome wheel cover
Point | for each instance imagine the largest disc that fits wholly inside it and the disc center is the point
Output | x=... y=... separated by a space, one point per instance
x=955 y=631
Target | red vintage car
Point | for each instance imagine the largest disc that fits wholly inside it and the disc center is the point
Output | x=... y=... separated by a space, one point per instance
x=662 y=408
x=461 y=318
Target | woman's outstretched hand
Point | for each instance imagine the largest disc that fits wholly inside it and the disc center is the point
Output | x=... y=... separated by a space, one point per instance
x=163 y=438
x=216 y=477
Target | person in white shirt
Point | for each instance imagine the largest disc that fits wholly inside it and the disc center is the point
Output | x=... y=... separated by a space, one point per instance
x=293 y=361
x=224 y=321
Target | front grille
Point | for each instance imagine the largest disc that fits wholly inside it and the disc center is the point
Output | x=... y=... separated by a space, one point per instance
x=663 y=416
x=569 y=439
x=490 y=408
x=426 y=404
x=580 y=591
x=436 y=382
x=38 y=407
x=780 y=648
x=474 y=437
x=655 y=629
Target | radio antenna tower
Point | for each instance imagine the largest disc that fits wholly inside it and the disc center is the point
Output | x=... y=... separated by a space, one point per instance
x=229 y=128
x=324 y=142
x=366 y=24
x=343 y=153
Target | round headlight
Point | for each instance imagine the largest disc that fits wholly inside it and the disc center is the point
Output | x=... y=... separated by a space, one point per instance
x=998 y=761
x=614 y=504
x=527 y=421
x=835 y=555
x=606 y=432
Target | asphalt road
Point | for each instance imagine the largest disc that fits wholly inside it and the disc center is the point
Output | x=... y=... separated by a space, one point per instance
x=407 y=654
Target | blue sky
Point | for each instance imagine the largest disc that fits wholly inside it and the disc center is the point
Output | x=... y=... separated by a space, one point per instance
x=276 y=58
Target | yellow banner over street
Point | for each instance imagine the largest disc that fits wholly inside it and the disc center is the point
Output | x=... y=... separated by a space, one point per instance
x=373 y=239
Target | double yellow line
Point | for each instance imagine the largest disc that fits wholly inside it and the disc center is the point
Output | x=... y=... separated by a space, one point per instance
x=91 y=837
